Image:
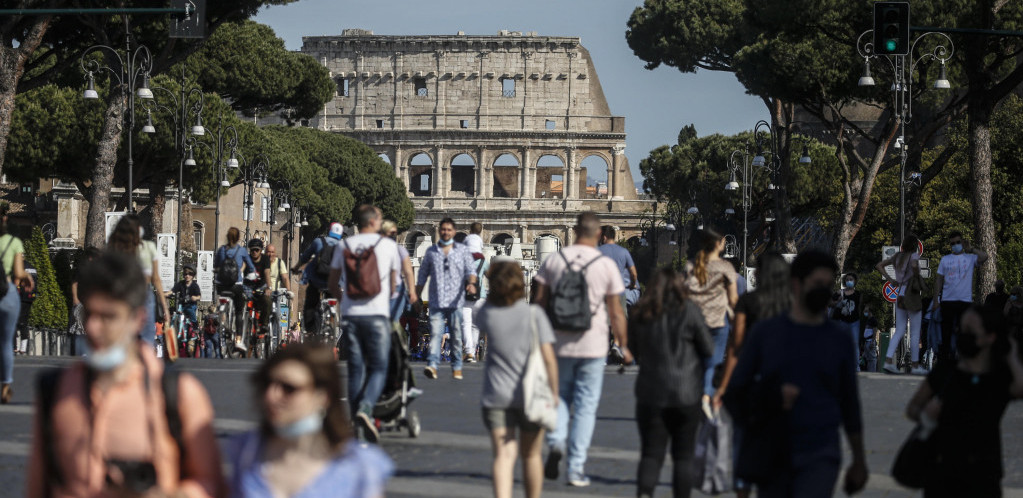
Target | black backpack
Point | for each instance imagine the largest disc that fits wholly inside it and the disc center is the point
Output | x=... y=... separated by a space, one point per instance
x=324 y=258
x=229 y=271
x=46 y=391
x=569 y=304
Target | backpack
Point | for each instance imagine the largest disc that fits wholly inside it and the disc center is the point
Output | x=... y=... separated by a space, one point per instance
x=362 y=275
x=228 y=272
x=324 y=258
x=569 y=304
x=46 y=392
x=3 y=271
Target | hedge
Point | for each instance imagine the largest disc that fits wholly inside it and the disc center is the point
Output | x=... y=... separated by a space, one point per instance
x=49 y=309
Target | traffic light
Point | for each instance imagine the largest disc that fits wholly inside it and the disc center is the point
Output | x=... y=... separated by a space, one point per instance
x=891 y=28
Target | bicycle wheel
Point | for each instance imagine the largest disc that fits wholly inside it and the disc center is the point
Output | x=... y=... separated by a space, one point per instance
x=226 y=331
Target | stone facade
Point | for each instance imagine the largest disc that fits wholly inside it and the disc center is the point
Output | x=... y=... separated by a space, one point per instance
x=483 y=128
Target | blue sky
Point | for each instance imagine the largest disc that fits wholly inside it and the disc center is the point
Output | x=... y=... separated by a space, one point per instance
x=656 y=104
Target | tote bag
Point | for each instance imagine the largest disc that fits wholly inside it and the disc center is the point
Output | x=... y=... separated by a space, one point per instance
x=539 y=404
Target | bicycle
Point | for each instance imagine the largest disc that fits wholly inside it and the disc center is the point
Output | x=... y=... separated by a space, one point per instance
x=329 y=330
x=270 y=337
x=187 y=335
x=225 y=312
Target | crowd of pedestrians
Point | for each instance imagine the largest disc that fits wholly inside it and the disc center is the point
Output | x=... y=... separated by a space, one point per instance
x=776 y=367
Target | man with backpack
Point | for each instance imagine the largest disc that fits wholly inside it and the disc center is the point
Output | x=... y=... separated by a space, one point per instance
x=363 y=275
x=317 y=259
x=231 y=264
x=580 y=288
x=452 y=273
x=118 y=422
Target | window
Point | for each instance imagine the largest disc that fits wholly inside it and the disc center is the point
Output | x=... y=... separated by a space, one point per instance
x=264 y=209
x=508 y=87
x=342 y=87
x=464 y=123
x=197 y=235
x=421 y=90
x=424 y=183
x=26 y=188
x=380 y=123
x=549 y=124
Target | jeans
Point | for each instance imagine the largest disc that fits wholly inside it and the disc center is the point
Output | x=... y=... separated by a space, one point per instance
x=951 y=312
x=10 y=306
x=438 y=317
x=720 y=337
x=211 y=346
x=658 y=427
x=901 y=318
x=870 y=355
x=399 y=303
x=854 y=330
x=580 y=381
x=311 y=309
x=368 y=341
x=812 y=480
x=148 y=332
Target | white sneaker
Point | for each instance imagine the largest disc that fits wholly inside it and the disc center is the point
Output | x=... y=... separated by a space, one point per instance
x=919 y=371
x=891 y=368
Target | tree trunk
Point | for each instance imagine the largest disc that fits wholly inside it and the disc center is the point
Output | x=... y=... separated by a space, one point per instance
x=103 y=171
x=158 y=200
x=781 y=117
x=12 y=66
x=187 y=240
x=980 y=189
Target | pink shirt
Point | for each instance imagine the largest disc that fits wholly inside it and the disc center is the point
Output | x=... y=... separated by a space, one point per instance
x=604 y=279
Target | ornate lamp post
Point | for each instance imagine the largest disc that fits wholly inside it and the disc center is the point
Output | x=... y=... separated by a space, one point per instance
x=254 y=177
x=903 y=68
x=132 y=75
x=225 y=139
x=280 y=197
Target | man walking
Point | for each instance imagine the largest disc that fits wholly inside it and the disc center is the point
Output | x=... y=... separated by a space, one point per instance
x=315 y=274
x=450 y=269
x=363 y=275
x=795 y=383
x=953 y=288
x=581 y=354
x=626 y=266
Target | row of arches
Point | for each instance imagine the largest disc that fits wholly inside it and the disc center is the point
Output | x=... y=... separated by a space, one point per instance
x=506 y=170
x=501 y=238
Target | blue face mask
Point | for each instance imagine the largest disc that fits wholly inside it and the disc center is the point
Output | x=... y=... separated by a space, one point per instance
x=849 y=284
x=445 y=243
x=106 y=359
x=306 y=425
x=957 y=248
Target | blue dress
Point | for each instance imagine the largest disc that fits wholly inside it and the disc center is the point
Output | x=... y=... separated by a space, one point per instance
x=357 y=472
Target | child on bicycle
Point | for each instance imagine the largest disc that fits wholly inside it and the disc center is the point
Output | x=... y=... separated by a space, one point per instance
x=187 y=294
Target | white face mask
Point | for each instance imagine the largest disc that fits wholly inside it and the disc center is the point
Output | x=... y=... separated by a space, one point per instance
x=306 y=425
x=107 y=359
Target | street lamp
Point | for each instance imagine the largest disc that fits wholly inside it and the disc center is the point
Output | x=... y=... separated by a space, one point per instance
x=280 y=196
x=903 y=67
x=254 y=177
x=225 y=139
x=743 y=174
x=132 y=76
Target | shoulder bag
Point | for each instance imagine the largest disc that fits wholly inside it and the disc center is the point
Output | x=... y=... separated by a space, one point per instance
x=540 y=405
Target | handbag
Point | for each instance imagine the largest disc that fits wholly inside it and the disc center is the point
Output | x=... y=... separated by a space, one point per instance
x=540 y=405
x=916 y=457
x=912 y=299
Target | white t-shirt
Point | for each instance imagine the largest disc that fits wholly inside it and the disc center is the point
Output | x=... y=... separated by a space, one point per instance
x=957 y=270
x=474 y=242
x=604 y=280
x=388 y=260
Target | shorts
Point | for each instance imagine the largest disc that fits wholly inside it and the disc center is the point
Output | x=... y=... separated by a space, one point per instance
x=504 y=418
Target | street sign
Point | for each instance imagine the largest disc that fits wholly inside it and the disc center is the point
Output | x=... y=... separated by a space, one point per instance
x=111 y=218
x=890 y=292
x=165 y=245
x=204 y=274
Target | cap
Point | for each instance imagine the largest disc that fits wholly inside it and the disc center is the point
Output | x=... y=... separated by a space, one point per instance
x=256 y=243
x=336 y=231
x=187 y=267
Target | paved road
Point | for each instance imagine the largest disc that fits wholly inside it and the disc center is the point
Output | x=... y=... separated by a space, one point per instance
x=452 y=456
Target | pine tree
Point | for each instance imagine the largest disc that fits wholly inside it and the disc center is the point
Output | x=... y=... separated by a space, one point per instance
x=49 y=309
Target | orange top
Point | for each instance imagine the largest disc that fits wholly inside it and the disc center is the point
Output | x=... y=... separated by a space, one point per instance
x=128 y=423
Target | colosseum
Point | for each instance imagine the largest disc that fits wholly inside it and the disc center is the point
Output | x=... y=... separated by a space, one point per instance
x=498 y=129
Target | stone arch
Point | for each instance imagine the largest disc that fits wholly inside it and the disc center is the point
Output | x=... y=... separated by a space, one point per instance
x=463 y=174
x=421 y=180
x=507 y=168
x=504 y=240
x=411 y=239
x=550 y=177
x=594 y=182
x=384 y=157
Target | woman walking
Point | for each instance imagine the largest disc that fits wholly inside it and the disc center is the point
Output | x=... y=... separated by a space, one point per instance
x=509 y=323
x=303 y=447
x=909 y=307
x=12 y=257
x=963 y=402
x=670 y=340
x=710 y=283
x=127 y=238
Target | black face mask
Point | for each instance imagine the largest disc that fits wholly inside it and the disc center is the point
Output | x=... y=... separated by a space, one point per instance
x=817 y=299
x=967 y=345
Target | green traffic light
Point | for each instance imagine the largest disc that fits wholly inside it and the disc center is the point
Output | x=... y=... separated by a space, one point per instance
x=890 y=45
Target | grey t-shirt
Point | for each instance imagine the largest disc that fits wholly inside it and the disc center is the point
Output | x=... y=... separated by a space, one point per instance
x=509 y=337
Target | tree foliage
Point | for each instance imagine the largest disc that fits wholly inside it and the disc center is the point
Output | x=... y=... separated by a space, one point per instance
x=49 y=309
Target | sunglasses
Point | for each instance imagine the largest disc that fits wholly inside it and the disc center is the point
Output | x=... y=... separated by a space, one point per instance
x=287 y=388
x=446 y=265
x=189 y=274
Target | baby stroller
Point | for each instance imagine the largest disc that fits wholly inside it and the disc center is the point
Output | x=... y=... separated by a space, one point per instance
x=391 y=410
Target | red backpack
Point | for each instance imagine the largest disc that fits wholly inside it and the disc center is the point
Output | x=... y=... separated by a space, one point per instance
x=362 y=276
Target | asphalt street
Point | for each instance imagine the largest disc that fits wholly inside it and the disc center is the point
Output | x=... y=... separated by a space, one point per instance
x=451 y=458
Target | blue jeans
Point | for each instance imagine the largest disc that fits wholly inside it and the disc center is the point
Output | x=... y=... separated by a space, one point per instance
x=10 y=307
x=400 y=303
x=211 y=346
x=720 y=337
x=148 y=332
x=854 y=329
x=368 y=341
x=580 y=381
x=453 y=317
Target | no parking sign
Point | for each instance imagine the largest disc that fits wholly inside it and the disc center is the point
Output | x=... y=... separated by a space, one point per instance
x=890 y=292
